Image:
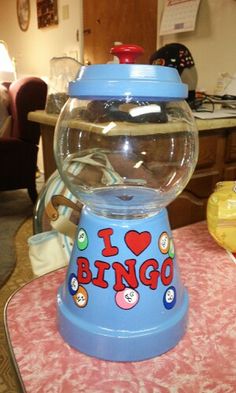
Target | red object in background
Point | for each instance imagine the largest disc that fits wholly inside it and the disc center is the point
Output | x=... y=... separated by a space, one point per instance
x=127 y=54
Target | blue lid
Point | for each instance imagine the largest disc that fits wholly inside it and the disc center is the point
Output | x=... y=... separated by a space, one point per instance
x=130 y=81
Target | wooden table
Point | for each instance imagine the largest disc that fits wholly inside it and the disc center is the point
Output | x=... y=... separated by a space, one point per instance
x=47 y=128
x=48 y=122
x=216 y=162
x=204 y=361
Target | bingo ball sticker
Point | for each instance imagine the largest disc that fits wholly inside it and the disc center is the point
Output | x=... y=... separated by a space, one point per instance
x=82 y=239
x=81 y=297
x=164 y=242
x=169 y=298
x=127 y=299
x=73 y=284
x=172 y=249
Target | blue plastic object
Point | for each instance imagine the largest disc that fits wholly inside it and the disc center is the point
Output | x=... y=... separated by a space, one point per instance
x=123 y=299
x=146 y=82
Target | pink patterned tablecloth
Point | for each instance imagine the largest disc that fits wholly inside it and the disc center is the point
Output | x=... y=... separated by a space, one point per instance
x=203 y=361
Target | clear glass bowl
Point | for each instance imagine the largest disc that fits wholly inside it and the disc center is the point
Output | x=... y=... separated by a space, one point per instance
x=124 y=157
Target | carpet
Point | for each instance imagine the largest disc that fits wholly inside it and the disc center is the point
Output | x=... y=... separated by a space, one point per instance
x=21 y=274
x=15 y=207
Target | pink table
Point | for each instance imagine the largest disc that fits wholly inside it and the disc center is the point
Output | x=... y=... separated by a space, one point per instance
x=204 y=361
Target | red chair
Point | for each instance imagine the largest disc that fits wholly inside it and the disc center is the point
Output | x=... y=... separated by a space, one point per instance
x=18 y=152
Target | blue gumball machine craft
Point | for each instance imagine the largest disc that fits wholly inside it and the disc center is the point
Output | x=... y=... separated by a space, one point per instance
x=126 y=145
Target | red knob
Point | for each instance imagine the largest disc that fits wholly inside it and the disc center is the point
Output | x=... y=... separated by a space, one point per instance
x=127 y=53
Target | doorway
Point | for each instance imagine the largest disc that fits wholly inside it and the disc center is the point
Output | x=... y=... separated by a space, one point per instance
x=125 y=21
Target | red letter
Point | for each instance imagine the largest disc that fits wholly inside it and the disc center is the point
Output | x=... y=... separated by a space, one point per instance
x=109 y=250
x=84 y=274
x=129 y=276
x=152 y=280
x=167 y=278
x=99 y=280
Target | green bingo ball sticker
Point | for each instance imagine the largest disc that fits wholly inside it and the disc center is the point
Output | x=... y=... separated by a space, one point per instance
x=172 y=249
x=82 y=240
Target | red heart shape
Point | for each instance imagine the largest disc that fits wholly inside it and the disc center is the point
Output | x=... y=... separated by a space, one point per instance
x=137 y=242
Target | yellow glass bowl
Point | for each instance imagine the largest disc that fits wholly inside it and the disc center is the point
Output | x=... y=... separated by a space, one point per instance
x=221 y=215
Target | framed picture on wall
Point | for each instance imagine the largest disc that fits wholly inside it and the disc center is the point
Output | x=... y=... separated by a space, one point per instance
x=23 y=13
x=47 y=13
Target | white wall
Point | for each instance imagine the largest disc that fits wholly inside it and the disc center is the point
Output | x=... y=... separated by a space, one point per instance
x=212 y=44
x=34 y=48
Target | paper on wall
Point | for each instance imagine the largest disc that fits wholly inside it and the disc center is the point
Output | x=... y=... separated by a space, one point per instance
x=179 y=16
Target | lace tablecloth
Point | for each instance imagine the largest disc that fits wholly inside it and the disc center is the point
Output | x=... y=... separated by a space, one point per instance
x=203 y=361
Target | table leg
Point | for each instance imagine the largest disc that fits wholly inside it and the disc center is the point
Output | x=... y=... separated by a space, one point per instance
x=47 y=133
